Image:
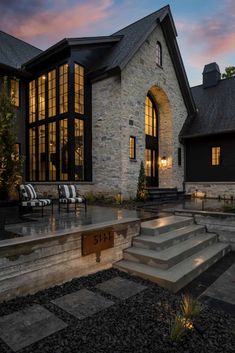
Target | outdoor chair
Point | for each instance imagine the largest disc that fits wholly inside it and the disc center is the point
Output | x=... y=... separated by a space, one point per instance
x=29 y=198
x=68 y=194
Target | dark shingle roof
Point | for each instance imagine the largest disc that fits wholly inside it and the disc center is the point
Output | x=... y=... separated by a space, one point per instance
x=216 y=109
x=133 y=36
x=14 y=52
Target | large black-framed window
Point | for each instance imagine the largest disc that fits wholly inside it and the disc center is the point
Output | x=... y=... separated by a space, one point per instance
x=58 y=139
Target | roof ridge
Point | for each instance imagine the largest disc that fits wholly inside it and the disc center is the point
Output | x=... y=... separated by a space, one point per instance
x=221 y=80
x=21 y=40
x=140 y=19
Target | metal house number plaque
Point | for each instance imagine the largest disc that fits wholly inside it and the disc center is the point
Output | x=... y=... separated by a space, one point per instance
x=94 y=242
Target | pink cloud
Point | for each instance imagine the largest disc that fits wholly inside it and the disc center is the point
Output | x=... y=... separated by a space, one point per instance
x=56 y=23
x=211 y=38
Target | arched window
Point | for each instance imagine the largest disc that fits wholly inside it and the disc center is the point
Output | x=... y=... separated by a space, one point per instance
x=159 y=54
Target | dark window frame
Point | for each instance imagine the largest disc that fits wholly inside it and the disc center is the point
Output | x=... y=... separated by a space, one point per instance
x=133 y=138
x=71 y=115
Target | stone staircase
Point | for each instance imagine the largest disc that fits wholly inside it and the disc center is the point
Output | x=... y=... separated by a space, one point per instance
x=172 y=251
x=164 y=194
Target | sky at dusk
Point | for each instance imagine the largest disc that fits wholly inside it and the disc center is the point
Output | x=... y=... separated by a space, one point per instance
x=206 y=28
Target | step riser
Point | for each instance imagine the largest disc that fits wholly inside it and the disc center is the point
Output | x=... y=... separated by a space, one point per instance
x=159 y=263
x=139 y=243
x=167 y=228
x=175 y=287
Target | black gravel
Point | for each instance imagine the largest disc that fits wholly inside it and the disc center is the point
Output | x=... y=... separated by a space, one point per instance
x=138 y=324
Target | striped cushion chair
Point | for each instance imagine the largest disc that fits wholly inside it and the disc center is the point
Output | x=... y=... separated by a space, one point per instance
x=29 y=198
x=68 y=194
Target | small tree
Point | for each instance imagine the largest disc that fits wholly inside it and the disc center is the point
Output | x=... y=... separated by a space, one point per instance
x=10 y=162
x=141 y=188
x=229 y=72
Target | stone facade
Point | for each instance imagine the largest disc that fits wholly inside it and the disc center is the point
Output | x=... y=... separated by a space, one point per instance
x=118 y=112
x=116 y=101
x=212 y=189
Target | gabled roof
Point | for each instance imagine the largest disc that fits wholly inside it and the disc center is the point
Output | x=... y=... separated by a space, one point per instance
x=216 y=110
x=133 y=36
x=14 y=52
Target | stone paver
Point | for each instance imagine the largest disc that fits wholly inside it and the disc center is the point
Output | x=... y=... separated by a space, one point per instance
x=82 y=303
x=224 y=287
x=22 y=328
x=120 y=287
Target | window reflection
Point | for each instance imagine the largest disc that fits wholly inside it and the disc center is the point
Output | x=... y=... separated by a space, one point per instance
x=63 y=85
x=64 y=149
x=52 y=150
x=52 y=93
x=79 y=149
x=79 y=89
x=41 y=97
x=15 y=93
x=32 y=101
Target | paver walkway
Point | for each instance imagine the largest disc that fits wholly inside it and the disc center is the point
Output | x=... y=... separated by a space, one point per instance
x=23 y=328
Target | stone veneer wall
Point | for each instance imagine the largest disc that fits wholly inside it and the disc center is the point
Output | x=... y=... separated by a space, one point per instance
x=212 y=189
x=118 y=100
x=29 y=264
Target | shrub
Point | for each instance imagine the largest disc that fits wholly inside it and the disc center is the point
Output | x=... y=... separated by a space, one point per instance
x=142 y=192
x=10 y=162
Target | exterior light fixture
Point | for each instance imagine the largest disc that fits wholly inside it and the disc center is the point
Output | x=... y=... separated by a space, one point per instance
x=44 y=77
x=163 y=162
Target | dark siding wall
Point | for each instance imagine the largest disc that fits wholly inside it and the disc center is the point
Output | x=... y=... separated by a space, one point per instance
x=198 y=158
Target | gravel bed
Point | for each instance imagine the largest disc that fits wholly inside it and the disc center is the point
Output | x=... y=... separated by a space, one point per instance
x=138 y=324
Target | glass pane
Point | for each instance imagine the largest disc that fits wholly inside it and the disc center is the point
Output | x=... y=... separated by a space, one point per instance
x=52 y=150
x=15 y=93
x=42 y=152
x=148 y=163
x=79 y=149
x=41 y=97
x=79 y=89
x=63 y=82
x=32 y=101
x=150 y=118
x=64 y=149
x=52 y=93
x=32 y=154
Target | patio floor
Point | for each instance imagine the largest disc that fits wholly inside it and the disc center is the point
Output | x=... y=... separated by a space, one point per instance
x=58 y=223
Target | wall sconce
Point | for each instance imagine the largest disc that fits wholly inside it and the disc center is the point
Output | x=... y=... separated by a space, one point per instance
x=163 y=162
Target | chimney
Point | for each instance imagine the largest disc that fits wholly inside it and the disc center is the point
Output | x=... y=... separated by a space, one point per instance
x=211 y=75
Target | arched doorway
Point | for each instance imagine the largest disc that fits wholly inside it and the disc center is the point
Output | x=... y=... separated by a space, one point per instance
x=151 y=141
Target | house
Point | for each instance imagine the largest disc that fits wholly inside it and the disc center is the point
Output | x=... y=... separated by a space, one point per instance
x=209 y=137
x=91 y=109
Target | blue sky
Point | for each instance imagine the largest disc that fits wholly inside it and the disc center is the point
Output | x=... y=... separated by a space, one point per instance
x=206 y=29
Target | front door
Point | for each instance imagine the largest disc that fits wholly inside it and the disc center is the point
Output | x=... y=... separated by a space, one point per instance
x=151 y=142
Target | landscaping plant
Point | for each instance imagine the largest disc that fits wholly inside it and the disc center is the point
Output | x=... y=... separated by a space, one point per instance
x=10 y=162
x=177 y=329
x=190 y=307
x=142 y=192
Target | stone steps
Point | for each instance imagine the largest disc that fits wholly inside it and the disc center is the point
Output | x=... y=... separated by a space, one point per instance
x=172 y=251
x=163 y=241
x=170 y=256
x=165 y=224
x=183 y=273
